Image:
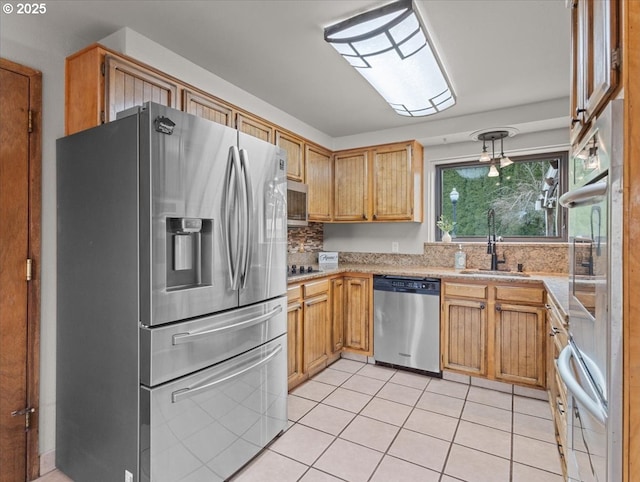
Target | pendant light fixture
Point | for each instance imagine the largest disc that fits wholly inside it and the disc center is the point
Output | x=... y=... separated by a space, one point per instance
x=493 y=136
x=390 y=47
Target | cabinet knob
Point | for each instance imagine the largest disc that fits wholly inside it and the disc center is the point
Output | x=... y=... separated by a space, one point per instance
x=482 y=306
x=364 y=216
x=375 y=216
x=498 y=308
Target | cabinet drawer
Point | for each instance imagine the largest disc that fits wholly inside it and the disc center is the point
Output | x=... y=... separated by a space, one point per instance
x=523 y=294
x=316 y=288
x=465 y=290
x=294 y=293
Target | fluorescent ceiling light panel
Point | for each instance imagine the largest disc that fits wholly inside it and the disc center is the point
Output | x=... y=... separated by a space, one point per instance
x=389 y=46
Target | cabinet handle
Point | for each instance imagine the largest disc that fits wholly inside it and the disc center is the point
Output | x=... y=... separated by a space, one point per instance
x=364 y=216
x=375 y=216
x=580 y=111
x=498 y=308
x=482 y=306
x=575 y=121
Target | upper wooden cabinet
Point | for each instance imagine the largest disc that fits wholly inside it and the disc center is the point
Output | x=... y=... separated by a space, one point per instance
x=294 y=147
x=397 y=182
x=207 y=107
x=379 y=184
x=100 y=84
x=254 y=127
x=351 y=186
x=596 y=56
x=319 y=179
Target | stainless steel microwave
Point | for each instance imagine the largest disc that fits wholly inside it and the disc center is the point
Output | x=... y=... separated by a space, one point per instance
x=296 y=203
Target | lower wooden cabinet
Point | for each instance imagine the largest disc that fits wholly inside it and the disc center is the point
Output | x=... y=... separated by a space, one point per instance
x=358 y=324
x=326 y=317
x=494 y=331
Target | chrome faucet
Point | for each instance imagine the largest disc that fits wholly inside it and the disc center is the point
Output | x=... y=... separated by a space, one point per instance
x=491 y=240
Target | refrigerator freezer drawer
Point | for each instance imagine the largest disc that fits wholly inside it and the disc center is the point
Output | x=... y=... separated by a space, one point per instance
x=206 y=426
x=172 y=351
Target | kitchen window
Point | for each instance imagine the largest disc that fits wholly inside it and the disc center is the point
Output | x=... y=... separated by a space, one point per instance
x=524 y=197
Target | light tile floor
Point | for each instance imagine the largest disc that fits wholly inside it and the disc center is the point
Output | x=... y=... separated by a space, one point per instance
x=359 y=422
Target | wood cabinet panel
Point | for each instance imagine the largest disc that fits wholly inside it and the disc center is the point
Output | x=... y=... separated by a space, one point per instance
x=315 y=288
x=350 y=186
x=358 y=327
x=294 y=147
x=129 y=85
x=316 y=322
x=464 y=336
x=338 y=306
x=519 y=350
x=295 y=373
x=523 y=294
x=254 y=127
x=207 y=107
x=465 y=290
x=319 y=172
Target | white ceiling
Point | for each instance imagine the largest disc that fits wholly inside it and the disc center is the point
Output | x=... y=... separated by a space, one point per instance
x=498 y=53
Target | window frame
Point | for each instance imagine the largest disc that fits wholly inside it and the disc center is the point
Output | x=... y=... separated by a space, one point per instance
x=563 y=184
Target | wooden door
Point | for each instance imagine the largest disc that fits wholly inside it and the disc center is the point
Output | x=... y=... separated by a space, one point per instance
x=254 y=127
x=392 y=184
x=207 y=107
x=20 y=167
x=294 y=344
x=464 y=336
x=316 y=320
x=358 y=329
x=294 y=147
x=337 y=302
x=351 y=186
x=520 y=344
x=128 y=85
x=319 y=179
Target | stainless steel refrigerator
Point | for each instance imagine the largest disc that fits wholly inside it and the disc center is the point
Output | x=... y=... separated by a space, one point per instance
x=171 y=306
x=591 y=364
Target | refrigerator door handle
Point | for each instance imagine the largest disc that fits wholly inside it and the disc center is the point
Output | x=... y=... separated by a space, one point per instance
x=230 y=195
x=584 y=196
x=564 y=367
x=182 y=338
x=187 y=392
x=250 y=223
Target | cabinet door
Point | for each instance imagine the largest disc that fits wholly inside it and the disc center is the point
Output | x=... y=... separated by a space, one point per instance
x=358 y=322
x=294 y=147
x=294 y=344
x=350 y=186
x=520 y=344
x=316 y=320
x=464 y=336
x=128 y=85
x=254 y=127
x=337 y=322
x=319 y=180
x=595 y=42
x=392 y=184
x=207 y=107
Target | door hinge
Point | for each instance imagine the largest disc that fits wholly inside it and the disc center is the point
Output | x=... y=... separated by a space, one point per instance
x=616 y=61
x=29 y=268
x=30 y=122
x=27 y=413
x=102 y=69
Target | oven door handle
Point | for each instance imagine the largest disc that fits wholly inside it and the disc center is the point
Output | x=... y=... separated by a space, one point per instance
x=585 y=195
x=564 y=368
x=181 y=338
x=189 y=391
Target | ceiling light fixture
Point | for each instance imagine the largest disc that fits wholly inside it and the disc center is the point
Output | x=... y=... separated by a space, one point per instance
x=390 y=47
x=493 y=136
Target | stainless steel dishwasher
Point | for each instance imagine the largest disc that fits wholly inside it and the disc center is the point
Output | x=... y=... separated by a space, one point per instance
x=406 y=323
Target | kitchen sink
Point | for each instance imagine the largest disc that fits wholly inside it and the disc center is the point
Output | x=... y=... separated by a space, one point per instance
x=489 y=272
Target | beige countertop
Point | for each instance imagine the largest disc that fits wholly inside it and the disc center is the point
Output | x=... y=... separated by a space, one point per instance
x=557 y=285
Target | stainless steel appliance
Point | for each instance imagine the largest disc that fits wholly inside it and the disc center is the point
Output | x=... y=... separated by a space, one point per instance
x=297 y=207
x=591 y=364
x=171 y=321
x=406 y=322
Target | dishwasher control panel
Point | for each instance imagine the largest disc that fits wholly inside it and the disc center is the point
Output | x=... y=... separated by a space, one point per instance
x=406 y=284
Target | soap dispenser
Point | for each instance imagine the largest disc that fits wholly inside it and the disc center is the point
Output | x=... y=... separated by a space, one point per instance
x=460 y=259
